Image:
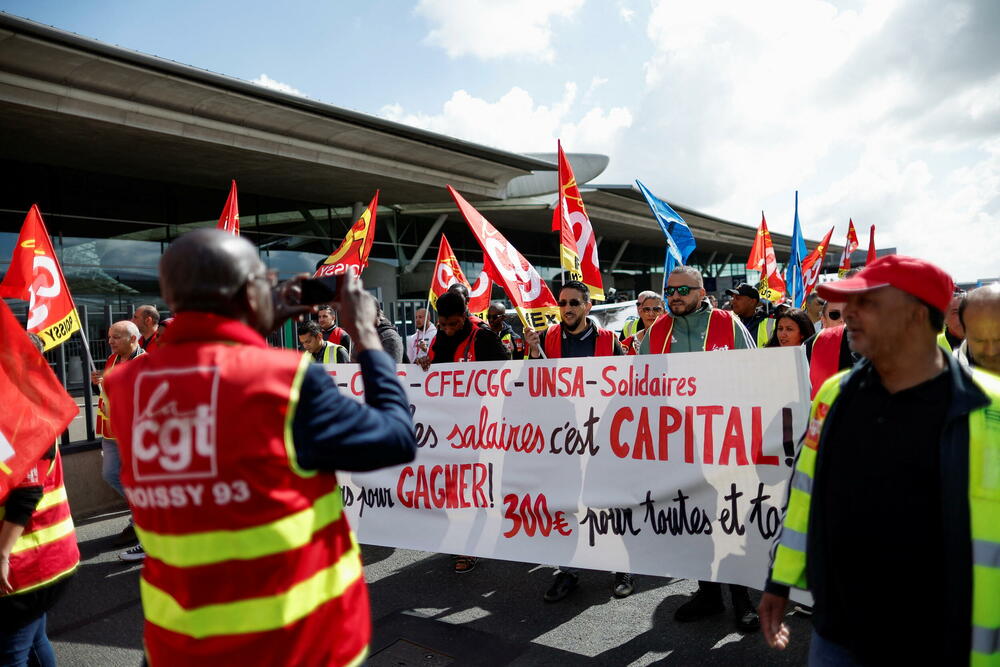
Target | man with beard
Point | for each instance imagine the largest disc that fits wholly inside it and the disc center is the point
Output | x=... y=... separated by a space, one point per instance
x=692 y=325
x=576 y=337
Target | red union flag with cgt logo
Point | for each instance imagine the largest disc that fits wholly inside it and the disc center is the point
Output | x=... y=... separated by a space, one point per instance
x=447 y=272
x=507 y=267
x=353 y=251
x=36 y=408
x=577 y=245
x=36 y=277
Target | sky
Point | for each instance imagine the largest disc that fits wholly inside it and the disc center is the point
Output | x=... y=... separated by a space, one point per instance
x=886 y=112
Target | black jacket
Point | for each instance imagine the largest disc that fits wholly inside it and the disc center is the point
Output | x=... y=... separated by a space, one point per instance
x=956 y=579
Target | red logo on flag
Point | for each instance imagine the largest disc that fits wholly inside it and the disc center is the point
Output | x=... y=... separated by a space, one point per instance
x=354 y=249
x=35 y=277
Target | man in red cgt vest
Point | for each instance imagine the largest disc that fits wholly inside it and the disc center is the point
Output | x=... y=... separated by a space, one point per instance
x=228 y=454
x=692 y=325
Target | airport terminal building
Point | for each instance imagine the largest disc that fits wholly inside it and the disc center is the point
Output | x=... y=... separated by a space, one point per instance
x=123 y=152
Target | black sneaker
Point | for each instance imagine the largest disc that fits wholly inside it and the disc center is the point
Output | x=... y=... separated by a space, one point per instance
x=126 y=537
x=744 y=615
x=624 y=585
x=564 y=584
x=705 y=603
x=136 y=553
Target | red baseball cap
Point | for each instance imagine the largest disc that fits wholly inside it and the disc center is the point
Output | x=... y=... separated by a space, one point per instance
x=914 y=276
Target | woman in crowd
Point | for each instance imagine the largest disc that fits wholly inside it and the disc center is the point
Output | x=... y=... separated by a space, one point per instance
x=793 y=328
x=650 y=306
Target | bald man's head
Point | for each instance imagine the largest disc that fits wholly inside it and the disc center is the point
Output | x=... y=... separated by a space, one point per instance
x=980 y=313
x=210 y=270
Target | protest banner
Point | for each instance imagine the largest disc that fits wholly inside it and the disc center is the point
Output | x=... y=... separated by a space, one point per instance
x=668 y=465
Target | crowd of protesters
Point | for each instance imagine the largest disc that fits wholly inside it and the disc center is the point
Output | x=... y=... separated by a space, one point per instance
x=896 y=355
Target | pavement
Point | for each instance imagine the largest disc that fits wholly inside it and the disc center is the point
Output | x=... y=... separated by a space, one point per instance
x=424 y=614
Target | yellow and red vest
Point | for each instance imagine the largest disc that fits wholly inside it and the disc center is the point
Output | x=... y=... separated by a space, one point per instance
x=984 y=510
x=102 y=424
x=249 y=558
x=720 y=334
x=604 y=346
x=46 y=551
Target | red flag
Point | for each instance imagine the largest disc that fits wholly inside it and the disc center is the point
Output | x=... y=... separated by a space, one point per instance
x=36 y=408
x=849 y=247
x=812 y=266
x=36 y=277
x=229 y=221
x=479 y=294
x=447 y=272
x=762 y=259
x=508 y=268
x=577 y=245
x=871 y=246
x=353 y=251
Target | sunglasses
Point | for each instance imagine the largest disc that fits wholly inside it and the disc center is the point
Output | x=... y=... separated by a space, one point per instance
x=495 y=316
x=683 y=290
x=572 y=303
x=834 y=314
x=652 y=309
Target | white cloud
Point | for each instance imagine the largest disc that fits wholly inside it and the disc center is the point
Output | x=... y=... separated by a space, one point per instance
x=746 y=102
x=595 y=83
x=267 y=82
x=492 y=29
x=515 y=122
x=626 y=14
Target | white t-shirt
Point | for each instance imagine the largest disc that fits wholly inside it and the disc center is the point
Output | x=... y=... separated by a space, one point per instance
x=418 y=343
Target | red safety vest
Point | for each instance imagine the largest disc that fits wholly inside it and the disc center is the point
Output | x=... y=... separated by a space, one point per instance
x=46 y=551
x=825 y=359
x=334 y=336
x=464 y=352
x=721 y=334
x=249 y=559
x=103 y=424
x=604 y=347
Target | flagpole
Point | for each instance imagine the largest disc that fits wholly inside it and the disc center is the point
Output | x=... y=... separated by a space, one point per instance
x=86 y=348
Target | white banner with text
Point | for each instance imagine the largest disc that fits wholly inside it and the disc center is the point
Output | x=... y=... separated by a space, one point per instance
x=671 y=465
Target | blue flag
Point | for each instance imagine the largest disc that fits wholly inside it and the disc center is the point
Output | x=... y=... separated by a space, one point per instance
x=680 y=240
x=793 y=270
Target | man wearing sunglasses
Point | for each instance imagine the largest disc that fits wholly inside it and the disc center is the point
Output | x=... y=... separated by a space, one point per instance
x=496 y=317
x=576 y=336
x=692 y=325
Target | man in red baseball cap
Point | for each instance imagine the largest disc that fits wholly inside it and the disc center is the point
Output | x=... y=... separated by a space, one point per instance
x=895 y=480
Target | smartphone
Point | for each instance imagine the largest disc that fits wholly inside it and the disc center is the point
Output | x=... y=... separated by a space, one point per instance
x=319 y=290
